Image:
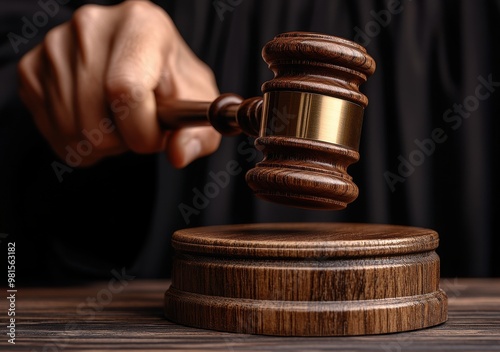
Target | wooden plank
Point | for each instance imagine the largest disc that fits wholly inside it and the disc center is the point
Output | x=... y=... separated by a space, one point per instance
x=92 y=317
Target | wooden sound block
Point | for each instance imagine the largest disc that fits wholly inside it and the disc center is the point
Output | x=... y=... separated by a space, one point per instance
x=306 y=279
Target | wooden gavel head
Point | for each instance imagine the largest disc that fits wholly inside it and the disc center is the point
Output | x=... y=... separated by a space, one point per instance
x=311 y=120
x=308 y=123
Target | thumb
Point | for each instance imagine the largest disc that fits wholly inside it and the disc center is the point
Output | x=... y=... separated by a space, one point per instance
x=188 y=144
x=188 y=78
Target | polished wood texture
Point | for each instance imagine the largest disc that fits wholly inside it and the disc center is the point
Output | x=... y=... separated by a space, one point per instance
x=307 y=173
x=318 y=63
x=52 y=319
x=304 y=279
x=229 y=114
x=316 y=279
x=306 y=165
x=303 y=173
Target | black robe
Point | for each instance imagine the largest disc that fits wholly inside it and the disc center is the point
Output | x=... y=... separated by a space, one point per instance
x=428 y=146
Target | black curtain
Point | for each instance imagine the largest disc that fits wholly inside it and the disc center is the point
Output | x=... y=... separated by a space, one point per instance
x=428 y=146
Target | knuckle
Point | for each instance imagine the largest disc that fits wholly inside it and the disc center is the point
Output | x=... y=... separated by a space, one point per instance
x=52 y=36
x=120 y=87
x=85 y=15
x=24 y=68
x=209 y=81
x=207 y=72
x=51 y=46
x=138 y=8
x=135 y=7
x=140 y=11
x=86 y=23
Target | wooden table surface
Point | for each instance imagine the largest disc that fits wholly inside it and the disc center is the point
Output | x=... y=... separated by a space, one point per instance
x=128 y=316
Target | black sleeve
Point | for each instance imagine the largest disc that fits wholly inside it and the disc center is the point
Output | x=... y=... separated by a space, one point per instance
x=80 y=224
x=431 y=57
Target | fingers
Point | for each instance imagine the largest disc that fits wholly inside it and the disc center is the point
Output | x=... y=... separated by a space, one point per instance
x=95 y=122
x=142 y=71
x=188 y=144
x=31 y=90
x=56 y=80
x=135 y=66
x=94 y=83
x=189 y=79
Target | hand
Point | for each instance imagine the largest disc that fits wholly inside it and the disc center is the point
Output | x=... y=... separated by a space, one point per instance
x=93 y=84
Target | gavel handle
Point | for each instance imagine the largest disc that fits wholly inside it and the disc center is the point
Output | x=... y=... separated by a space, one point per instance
x=229 y=114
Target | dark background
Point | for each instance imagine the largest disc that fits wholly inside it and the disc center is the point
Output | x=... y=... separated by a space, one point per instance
x=430 y=56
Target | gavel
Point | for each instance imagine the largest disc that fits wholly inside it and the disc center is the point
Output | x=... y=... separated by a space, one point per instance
x=308 y=122
x=302 y=279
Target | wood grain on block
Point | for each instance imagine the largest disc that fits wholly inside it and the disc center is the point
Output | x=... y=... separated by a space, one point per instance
x=299 y=279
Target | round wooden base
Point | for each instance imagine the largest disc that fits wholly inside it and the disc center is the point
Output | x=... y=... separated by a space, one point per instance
x=306 y=279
